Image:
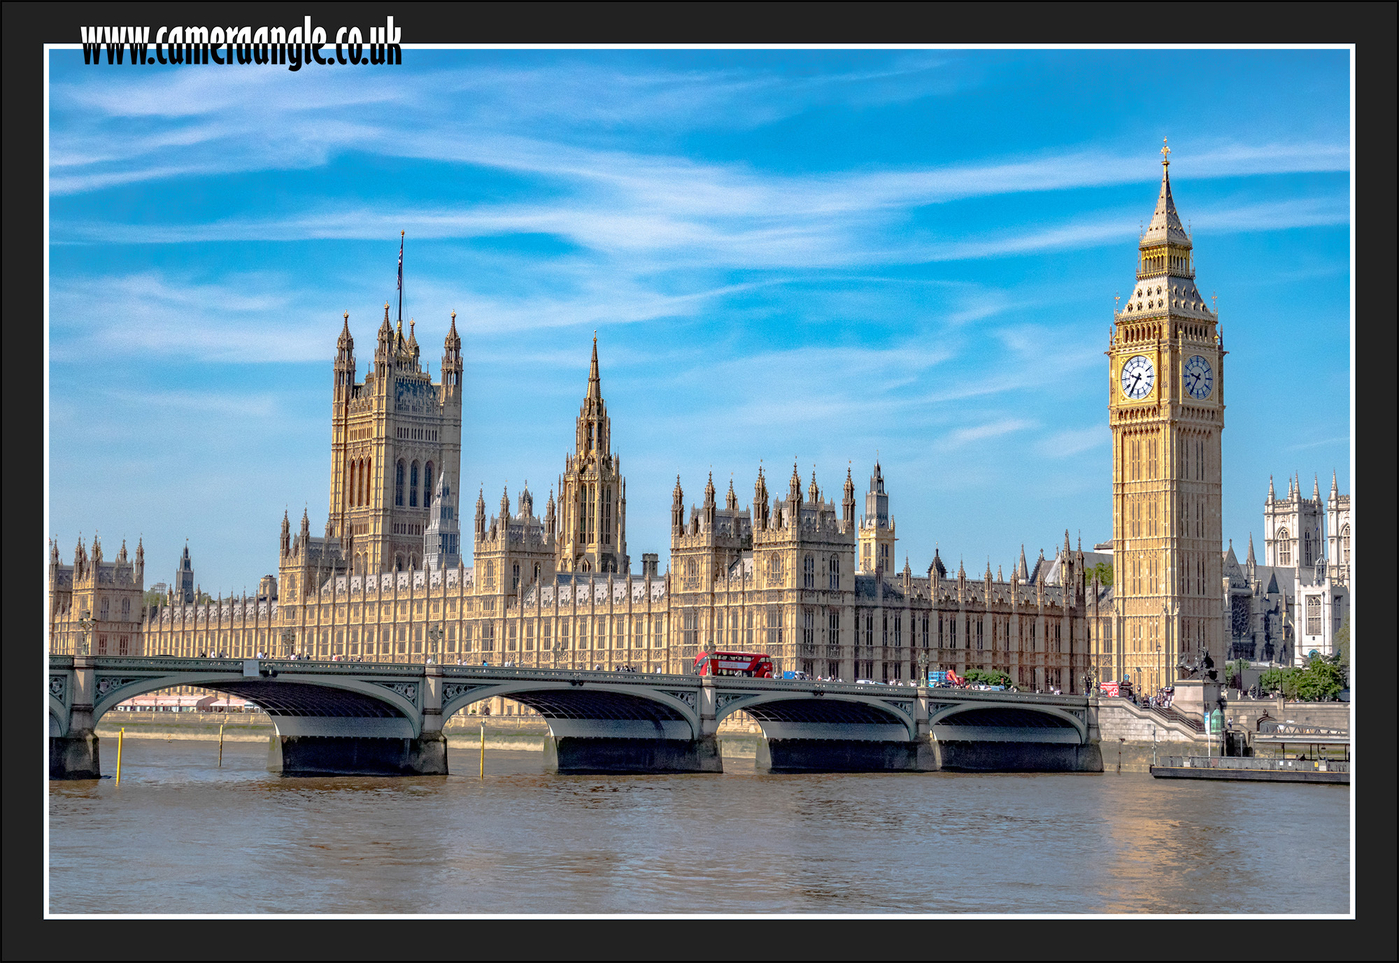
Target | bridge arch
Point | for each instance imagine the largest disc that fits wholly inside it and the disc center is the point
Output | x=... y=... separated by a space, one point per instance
x=1008 y=715
x=825 y=708
x=307 y=695
x=58 y=717
x=560 y=701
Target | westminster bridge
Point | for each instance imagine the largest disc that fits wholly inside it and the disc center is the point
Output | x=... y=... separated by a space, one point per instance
x=387 y=718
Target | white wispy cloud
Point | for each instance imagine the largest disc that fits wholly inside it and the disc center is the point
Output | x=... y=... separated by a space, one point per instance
x=994 y=429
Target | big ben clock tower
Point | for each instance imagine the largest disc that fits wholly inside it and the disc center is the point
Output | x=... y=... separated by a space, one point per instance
x=1166 y=407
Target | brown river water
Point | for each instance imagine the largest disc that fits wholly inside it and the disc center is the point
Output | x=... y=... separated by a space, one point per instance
x=182 y=836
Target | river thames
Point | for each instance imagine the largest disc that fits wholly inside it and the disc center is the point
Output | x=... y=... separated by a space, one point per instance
x=191 y=838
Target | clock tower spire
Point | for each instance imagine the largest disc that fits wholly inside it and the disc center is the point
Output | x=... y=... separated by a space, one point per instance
x=1166 y=409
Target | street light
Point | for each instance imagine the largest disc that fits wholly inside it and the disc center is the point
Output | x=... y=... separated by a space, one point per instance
x=85 y=624
x=434 y=636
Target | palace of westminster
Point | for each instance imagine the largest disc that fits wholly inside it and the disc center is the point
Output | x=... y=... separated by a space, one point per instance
x=796 y=574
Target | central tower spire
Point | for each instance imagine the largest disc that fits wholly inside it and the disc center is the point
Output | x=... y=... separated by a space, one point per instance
x=592 y=495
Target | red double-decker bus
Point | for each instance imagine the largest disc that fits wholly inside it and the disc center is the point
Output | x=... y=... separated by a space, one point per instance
x=752 y=664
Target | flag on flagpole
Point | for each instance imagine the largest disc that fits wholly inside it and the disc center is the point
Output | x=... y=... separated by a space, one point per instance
x=400 y=261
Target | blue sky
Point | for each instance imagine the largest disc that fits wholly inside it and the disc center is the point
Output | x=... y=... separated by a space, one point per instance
x=813 y=253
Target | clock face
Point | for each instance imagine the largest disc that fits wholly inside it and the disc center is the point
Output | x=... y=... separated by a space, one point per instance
x=1138 y=375
x=1199 y=377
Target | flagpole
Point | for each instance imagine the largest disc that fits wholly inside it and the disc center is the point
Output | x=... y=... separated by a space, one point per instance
x=400 y=276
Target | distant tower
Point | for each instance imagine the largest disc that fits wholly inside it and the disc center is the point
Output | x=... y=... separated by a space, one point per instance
x=592 y=526
x=1292 y=527
x=442 y=543
x=1338 y=534
x=876 y=529
x=1166 y=410
x=183 y=585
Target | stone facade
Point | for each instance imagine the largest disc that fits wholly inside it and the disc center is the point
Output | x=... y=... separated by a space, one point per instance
x=96 y=605
x=1294 y=603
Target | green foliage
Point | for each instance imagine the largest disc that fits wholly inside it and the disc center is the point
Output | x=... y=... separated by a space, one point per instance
x=1342 y=643
x=153 y=599
x=987 y=677
x=1321 y=680
x=1103 y=570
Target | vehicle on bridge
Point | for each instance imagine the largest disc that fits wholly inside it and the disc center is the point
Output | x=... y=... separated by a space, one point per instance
x=752 y=664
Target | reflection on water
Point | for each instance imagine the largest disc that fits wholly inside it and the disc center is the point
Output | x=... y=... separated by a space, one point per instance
x=193 y=838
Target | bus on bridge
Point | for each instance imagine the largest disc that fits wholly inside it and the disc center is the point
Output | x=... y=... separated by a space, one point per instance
x=755 y=665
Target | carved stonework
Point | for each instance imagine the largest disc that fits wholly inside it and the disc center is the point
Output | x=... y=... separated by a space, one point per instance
x=453 y=689
x=111 y=683
x=724 y=699
x=905 y=707
x=58 y=687
x=409 y=690
x=686 y=697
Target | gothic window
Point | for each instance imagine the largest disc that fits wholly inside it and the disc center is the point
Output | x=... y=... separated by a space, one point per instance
x=536 y=572
x=978 y=634
x=898 y=635
x=413 y=485
x=884 y=635
x=1284 y=548
x=1313 y=615
x=774 y=627
x=1306 y=548
x=398 y=485
x=515 y=577
x=589 y=499
x=775 y=568
x=835 y=572
x=808 y=630
x=126 y=608
x=607 y=516
x=106 y=608
x=1345 y=544
x=809 y=572
x=490 y=574
x=689 y=624
x=833 y=627
x=427 y=485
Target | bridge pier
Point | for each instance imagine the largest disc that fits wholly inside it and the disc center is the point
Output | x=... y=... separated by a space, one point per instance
x=978 y=756
x=845 y=755
x=610 y=754
x=74 y=756
x=293 y=755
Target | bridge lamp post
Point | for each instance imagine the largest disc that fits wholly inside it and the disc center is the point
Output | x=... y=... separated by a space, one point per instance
x=434 y=637
x=85 y=624
x=922 y=668
x=288 y=643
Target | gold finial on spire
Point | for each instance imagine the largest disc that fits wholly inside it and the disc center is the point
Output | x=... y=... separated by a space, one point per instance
x=1165 y=153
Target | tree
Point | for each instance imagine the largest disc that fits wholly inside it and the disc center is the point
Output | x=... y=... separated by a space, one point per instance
x=1342 y=643
x=1103 y=571
x=987 y=677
